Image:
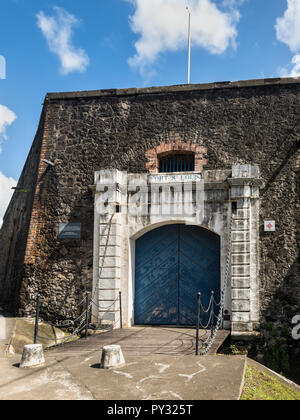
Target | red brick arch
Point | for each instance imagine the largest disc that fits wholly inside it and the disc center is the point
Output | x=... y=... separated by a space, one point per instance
x=177 y=146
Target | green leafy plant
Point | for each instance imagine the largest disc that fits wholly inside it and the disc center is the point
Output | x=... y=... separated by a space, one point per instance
x=276 y=355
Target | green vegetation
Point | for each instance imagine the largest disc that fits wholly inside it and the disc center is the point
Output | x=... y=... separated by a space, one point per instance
x=276 y=355
x=260 y=385
x=233 y=350
x=237 y=350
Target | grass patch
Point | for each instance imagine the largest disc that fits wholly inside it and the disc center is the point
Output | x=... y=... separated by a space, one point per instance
x=260 y=385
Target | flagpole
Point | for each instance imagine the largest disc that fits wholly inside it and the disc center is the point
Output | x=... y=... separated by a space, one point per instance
x=189 y=46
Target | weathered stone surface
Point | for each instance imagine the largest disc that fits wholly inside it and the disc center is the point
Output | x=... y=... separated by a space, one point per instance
x=112 y=356
x=32 y=357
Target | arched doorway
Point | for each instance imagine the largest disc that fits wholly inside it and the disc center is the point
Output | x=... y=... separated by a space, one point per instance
x=172 y=264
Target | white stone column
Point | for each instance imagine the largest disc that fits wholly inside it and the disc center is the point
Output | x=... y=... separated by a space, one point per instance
x=244 y=259
x=110 y=188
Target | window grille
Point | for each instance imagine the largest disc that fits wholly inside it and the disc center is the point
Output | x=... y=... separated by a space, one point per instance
x=177 y=163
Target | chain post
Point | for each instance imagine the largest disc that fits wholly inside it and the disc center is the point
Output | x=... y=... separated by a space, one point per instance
x=86 y=315
x=222 y=306
x=37 y=314
x=198 y=320
x=222 y=302
x=212 y=314
x=120 y=301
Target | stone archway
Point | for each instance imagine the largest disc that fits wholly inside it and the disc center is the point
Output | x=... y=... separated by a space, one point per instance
x=223 y=201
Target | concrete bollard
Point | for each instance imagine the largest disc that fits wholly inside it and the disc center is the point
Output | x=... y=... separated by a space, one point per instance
x=32 y=357
x=112 y=356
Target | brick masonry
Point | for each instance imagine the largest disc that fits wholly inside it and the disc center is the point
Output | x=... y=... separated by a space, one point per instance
x=175 y=146
x=251 y=122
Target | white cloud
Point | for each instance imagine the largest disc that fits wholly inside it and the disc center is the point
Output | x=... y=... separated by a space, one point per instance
x=162 y=26
x=288 y=26
x=5 y=193
x=293 y=70
x=58 y=31
x=288 y=31
x=7 y=117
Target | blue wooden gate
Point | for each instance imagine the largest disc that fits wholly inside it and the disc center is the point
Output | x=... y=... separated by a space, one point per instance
x=174 y=263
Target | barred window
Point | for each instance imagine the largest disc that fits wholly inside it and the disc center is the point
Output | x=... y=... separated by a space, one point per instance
x=177 y=163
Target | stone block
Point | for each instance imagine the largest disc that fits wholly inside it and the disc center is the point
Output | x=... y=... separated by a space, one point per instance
x=245 y=171
x=111 y=262
x=240 y=317
x=241 y=294
x=240 y=225
x=110 y=176
x=109 y=318
x=108 y=294
x=243 y=236
x=241 y=327
x=240 y=191
x=111 y=273
x=115 y=229
x=112 y=283
x=240 y=270
x=240 y=247
x=32 y=357
x=243 y=203
x=241 y=305
x=240 y=282
x=112 y=240
x=111 y=251
x=241 y=214
x=240 y=258
x=108 y=305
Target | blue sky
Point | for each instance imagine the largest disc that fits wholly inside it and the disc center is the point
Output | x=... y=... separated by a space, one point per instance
x=66 y=45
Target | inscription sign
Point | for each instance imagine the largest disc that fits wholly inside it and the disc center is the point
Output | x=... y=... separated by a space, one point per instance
x=69 y=231
x=161 y=179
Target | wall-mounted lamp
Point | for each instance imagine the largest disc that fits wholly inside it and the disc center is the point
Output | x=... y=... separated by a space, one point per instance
x=48 y=162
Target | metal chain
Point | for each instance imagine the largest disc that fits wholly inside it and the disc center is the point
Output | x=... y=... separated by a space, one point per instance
x=210 y=342
x=209 y=321
x=98 y=306
x=80 y=327
x=102 y=265
x=208 y=308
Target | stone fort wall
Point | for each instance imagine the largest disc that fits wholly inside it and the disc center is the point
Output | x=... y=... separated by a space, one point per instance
x=254 y=122
x=15 y=228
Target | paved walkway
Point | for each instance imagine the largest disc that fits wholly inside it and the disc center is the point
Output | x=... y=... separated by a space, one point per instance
x=156 y=377
x=160 y=365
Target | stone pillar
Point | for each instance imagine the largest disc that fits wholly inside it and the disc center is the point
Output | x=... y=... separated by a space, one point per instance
x=112 y=357
x=32 y=357
x=245 y=237
x=107 y=264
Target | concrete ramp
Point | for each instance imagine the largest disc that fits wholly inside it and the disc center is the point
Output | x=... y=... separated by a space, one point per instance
x=7 y=327
x=145 y=341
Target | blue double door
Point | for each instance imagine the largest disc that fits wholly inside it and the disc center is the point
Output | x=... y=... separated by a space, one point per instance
x=174 y=263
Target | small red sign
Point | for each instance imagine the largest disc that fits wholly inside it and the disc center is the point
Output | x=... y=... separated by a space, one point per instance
x=269 y=226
